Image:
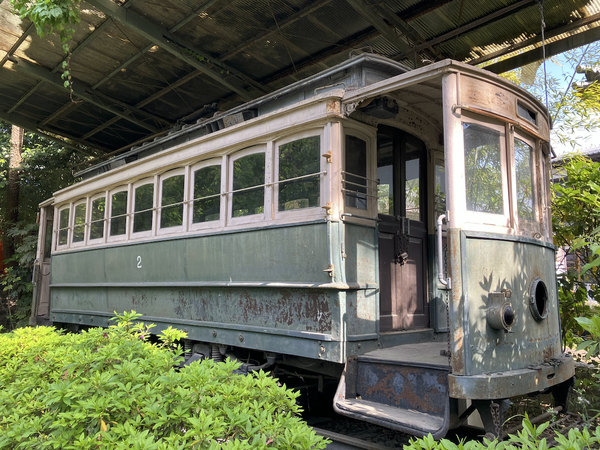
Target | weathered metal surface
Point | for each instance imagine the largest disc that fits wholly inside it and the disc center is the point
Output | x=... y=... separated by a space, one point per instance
x=298 y=253
x=514 y=266
x=505 y=384
x=419 y=389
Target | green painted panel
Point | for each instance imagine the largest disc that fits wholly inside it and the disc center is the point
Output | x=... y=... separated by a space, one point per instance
x=287 y=254
x=361 y=254
x=362 y=307
x=493 y=265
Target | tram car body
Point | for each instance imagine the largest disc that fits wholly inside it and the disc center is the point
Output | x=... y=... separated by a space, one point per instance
x=386 y=227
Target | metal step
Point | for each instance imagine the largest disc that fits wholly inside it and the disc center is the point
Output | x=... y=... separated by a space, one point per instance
x=404 y=388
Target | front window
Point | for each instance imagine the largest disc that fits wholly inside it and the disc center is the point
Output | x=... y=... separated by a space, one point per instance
x=524 y=155
x=483 y=169
x=299 y=164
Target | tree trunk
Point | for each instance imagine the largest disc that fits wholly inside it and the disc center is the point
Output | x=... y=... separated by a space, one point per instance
x=12 y=198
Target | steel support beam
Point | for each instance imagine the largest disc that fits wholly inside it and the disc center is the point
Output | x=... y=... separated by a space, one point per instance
x=176 y=46
x=388 y=32
x=496 y=15
x=18 y=43
x=552 y=49
x=80 y=91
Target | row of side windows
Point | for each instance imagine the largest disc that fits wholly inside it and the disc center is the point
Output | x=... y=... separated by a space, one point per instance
x=194 y=197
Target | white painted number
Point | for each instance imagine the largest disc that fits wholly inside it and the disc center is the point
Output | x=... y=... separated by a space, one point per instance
x=139 y=262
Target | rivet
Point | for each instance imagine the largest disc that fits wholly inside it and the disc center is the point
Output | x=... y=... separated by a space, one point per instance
x=319 y=342
x=358 y=345
x=241 y=338
x=91 y=318
x=319 y=355
x=322 y=349
x=214 y=333
x=79 y=318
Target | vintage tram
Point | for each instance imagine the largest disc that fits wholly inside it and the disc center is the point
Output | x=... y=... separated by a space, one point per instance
x=386 y=227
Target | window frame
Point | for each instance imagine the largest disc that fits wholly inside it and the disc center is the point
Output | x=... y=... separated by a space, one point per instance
x=132 y=212
x=267 y=149
x=525 y=226
x=124 y=236
x=213 y=224
x=301 y=212
x=371 y=157
x=505 y=219
x=75 y=204
x=93 y=198
x=180 y=171
x=59 y=209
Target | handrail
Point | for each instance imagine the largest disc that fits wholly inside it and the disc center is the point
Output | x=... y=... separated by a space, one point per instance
x=446 y=282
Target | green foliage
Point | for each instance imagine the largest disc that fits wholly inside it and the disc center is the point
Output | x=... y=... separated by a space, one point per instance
x=112 y=389
x=49 y=16
x=529 y=438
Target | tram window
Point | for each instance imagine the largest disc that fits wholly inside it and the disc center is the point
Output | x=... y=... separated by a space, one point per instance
x=355 y=180
x=207 y=189
x=63 y=226
x=412 y=188
x=248 y=171
x=385 y=175
x=524 y=173
x=171 y=213
x=298 y=159
x=79 y=223
x=483 y=169
x=118 y=213
x=97 y=222
x=440 y=190
x=142 y=212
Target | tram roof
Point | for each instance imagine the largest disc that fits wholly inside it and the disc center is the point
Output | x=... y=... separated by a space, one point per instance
x=142 y=69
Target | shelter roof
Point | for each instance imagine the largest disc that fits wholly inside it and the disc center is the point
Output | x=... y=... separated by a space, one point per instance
x=141 y=67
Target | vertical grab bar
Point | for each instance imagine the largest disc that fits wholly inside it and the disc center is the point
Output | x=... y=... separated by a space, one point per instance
x=440 y=247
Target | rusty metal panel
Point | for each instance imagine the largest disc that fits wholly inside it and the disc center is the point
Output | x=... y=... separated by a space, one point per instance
x=492 y=263
x=420 y=389
x=513 y=382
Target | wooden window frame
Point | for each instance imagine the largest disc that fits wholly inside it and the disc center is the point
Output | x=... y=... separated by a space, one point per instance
x=181 y=171
x=213 y=224
x=124 y=236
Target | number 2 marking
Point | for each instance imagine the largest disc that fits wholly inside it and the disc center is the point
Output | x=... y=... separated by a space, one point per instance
x=139 y=262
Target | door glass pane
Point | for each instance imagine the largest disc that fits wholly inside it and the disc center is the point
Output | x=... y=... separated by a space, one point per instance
x=97 y=225
x=524 y=172
x=48 y=239
x=79 y=225
x=355 y=181
x=207 y=183
x=249 y=171
x=118 y=213
x=412 y=188
x=440 y=190
x=144 y=200
x=63 y=227
x=483 y=169
x=297 y=159
x=172 y=194
x=385 y=175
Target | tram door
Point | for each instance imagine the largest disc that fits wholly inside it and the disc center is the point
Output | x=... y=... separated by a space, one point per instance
x=41 y=276
x=402 y=207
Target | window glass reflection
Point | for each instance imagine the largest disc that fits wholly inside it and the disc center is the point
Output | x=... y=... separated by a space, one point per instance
x=355 y=181
x=207 y=183
x=118 y=213
x=63 y=227
x=297 y=159
x=524 y=173
x=97 y=224
x=483 y=169
x=79 y=223
x=171 y=213
x=385 y=175
x=142 y=217
x=249 y=171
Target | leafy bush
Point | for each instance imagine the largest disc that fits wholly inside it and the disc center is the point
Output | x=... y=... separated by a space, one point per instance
x=529 y=438
x=112 y=389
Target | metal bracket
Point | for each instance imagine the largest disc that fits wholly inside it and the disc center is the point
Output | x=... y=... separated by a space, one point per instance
x=330 y=270
x=327 y=156
x=328 y=208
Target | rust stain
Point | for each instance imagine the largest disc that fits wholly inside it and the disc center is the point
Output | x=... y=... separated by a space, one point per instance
x=333 y=107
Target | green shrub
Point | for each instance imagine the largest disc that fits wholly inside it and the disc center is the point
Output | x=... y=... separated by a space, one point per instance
x=529 y=438
x=112 y=389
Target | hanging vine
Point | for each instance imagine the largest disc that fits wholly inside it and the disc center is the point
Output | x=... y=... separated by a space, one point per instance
x=49 y=16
